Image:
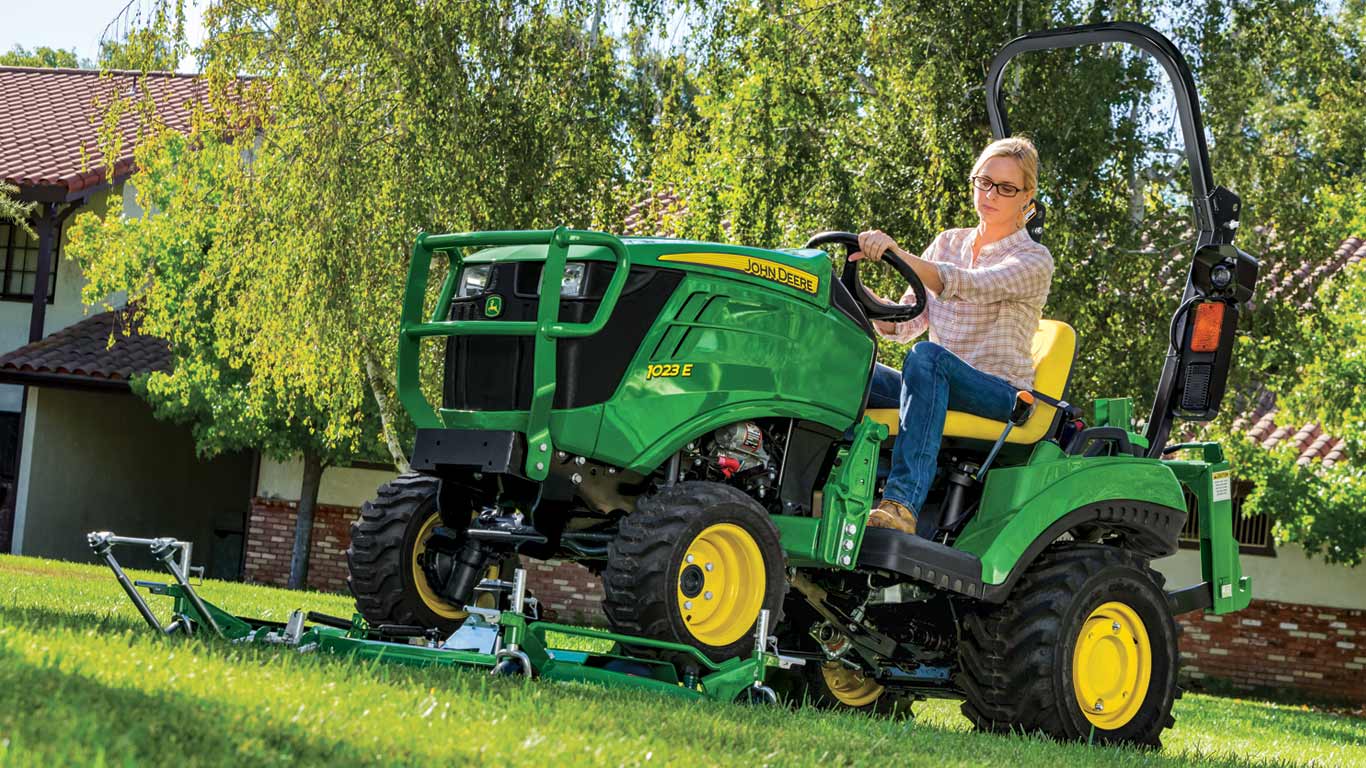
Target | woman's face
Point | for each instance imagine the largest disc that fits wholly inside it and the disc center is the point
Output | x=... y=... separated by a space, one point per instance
x=994 y=209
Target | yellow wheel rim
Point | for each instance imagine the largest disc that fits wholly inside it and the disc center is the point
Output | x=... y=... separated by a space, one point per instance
x=1112 y=665
x=849 y=686
x=436 y=603
x=721 y=584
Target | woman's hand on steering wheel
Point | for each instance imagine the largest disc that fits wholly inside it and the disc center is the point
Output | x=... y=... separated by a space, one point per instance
x=873 y=243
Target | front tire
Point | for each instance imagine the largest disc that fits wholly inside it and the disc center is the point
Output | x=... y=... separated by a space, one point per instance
x=385 y=577
x=1084 y=646
x=694 y=564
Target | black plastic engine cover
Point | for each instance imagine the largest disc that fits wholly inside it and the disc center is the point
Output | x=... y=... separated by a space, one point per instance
x=494 y=373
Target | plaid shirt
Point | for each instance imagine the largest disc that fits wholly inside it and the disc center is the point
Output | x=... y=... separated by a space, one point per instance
x=988 y=312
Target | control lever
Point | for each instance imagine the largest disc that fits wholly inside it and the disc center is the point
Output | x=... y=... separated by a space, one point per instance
x=1019 y=414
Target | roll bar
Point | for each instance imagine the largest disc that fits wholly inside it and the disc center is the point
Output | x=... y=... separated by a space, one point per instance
x=1216 y=209
x=1216 y=212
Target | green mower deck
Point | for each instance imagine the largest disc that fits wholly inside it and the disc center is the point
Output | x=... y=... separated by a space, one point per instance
x=506 y=643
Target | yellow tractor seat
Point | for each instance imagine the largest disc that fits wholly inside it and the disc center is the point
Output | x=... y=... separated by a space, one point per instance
x=1054 y=346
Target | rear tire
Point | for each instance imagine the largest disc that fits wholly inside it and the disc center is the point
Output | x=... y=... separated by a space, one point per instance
x=384 y=578
x=713 y=602
x=1085 y=622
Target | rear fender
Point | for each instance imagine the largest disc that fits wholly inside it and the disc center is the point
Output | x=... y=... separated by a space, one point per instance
x=1026 y=508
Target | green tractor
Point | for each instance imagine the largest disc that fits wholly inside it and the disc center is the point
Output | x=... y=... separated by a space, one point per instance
x=689 y=421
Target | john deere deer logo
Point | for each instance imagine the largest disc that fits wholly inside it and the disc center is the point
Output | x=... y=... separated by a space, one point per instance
x=493 y=306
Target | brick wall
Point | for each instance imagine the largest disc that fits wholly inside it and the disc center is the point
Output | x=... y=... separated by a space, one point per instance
x=568 y=592
x=1313 y=651
x=270 y=540
x=1305 y=650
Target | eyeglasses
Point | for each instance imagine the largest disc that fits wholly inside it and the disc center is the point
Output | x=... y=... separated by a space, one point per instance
x=1004 y=189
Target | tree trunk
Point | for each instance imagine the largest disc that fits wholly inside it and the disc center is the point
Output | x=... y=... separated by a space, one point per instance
x=377 y=382
x=303 y=524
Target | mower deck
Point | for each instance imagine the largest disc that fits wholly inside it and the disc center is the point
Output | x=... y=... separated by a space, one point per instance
x=506 y=643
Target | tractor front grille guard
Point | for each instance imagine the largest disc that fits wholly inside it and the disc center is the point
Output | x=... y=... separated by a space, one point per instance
x=546 y=329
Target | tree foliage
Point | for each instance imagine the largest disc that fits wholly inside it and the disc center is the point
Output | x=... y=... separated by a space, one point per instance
x=333 y=134
x=144 y=49
x=1281 y=81
x=14 y=212
x=42 y=56
x=371 y=121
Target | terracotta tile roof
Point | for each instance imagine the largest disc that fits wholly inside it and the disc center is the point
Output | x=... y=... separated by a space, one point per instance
x=651 y=216
x=1304 y=281
x=48 y=115
x=81 y=355
x=1299 y=285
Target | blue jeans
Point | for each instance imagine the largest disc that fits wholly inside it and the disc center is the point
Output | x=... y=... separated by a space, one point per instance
x=932 y=381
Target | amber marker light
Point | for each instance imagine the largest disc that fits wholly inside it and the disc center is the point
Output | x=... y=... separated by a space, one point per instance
x=1209 y=321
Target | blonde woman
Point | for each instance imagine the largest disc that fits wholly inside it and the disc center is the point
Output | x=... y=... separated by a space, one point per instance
x=986 y=287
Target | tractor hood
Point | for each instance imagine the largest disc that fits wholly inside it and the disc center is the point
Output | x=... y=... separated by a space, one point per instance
x=801 y=272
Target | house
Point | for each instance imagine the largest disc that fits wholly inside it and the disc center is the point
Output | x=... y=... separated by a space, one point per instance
x=78 y=450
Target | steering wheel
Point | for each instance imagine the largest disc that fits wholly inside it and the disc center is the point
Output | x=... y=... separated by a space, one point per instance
x=875 y=308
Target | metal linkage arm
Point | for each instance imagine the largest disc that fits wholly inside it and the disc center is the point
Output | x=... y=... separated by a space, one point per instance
x=164 y=550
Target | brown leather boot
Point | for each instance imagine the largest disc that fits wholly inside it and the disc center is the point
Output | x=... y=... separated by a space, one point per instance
x=889 y=514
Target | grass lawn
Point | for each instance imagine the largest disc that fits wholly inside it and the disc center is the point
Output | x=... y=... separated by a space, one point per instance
x=84 y=682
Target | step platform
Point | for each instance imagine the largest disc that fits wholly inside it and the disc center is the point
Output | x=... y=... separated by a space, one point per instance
x=919 y=559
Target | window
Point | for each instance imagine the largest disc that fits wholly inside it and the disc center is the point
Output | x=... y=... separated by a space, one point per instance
x=1253 y=534
x=19 y=254
x=9 y=449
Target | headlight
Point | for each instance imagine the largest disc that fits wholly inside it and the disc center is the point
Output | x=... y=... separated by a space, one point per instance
x=473 y=279
x=572 y=282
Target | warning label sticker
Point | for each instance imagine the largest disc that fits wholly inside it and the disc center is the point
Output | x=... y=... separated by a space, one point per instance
x=1223 y=485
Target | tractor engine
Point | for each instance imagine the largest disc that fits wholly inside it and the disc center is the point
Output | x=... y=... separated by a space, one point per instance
x=746 y=454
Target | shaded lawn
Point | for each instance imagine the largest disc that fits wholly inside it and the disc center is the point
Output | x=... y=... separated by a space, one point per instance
x=84 y=682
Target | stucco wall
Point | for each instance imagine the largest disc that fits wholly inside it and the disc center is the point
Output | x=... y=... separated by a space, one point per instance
x=340 y=486
x=1289 y=577
x=102 y=462
x=65 y=310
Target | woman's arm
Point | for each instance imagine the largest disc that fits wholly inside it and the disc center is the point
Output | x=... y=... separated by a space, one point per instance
x=1025 y=274
x=904 y=331
x=873 y=243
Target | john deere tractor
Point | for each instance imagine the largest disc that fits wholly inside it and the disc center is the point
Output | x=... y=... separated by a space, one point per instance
x=689 y=420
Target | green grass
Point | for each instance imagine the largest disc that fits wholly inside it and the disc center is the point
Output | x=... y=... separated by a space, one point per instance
x=84 y=682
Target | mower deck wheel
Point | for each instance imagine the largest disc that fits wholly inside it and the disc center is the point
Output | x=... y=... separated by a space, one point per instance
x=833 y=685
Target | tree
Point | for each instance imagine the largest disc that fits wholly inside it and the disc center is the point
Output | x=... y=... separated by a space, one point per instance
x=1321 y=508
x=143 y=49
x=42 y=56
x=1281 y=80
x=14 y=212
x=276 y=261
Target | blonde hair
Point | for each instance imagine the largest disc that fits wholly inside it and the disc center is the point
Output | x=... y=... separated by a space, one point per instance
x=1022 y=151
